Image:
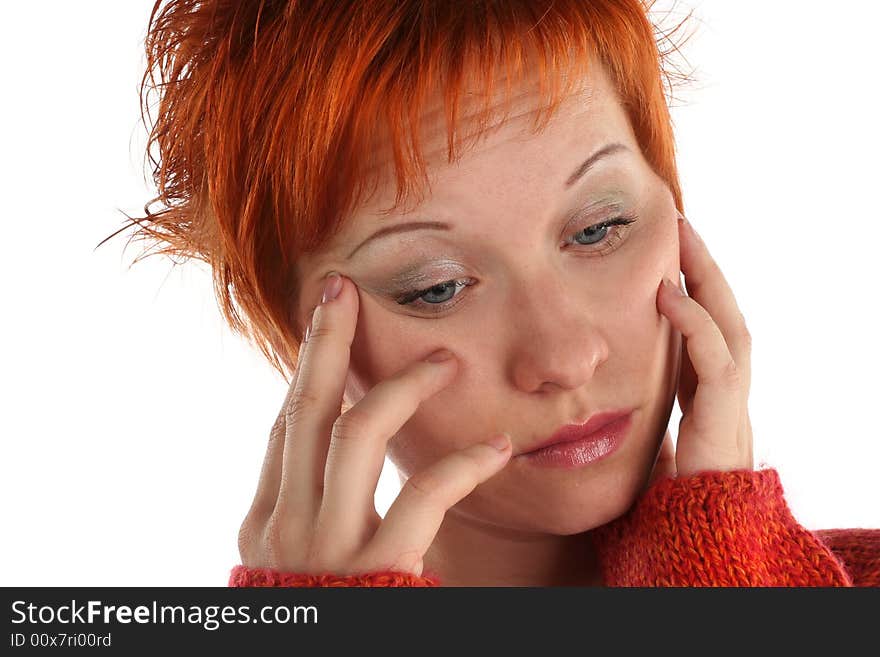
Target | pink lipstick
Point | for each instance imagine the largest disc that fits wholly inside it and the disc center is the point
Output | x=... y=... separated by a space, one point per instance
x=575 y=445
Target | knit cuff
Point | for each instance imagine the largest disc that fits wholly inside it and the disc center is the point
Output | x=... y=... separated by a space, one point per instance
x=859 y=549
x=244 y=576
x=714 y=528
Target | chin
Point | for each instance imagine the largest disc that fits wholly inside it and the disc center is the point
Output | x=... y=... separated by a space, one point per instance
x=603 y=495
x=597 y=510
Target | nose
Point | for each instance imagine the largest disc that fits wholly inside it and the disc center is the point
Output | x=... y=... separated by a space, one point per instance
x=557 y=343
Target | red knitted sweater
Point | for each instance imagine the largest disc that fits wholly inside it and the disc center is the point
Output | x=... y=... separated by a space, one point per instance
x=709 y=529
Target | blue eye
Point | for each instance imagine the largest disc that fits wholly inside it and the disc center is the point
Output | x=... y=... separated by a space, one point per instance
x=597 y=232
x=439 y=297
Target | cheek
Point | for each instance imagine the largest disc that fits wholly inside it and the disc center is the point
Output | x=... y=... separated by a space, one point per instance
x=380 y=347
x=651 y=254
x=658 y=345
x=656 y=253
x=660 y=254
x=637 y=330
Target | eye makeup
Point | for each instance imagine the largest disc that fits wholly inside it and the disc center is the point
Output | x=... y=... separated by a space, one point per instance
x=594 y=230
x=416 y=275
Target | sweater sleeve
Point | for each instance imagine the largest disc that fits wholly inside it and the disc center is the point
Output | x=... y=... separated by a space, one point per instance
x=715 y=528
x=244 y=576
x=859 y=549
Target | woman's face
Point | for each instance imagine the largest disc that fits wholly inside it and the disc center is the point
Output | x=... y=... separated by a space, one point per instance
x=556 y=322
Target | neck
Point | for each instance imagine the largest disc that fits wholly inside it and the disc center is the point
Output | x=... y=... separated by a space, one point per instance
x=468 y=552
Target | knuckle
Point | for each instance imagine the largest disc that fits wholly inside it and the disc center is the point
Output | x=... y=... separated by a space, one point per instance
x=283 y=541
x=276 y=542
x=278 y=429
x=350 y=424
x=303 y=401
x=319 y=333
x=320 y=327
x=425 y=486
x=731 y=375
x=279 y=423
x=246 y=538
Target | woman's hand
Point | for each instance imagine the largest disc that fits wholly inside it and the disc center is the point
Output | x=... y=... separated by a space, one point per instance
x=314 y=511
x=715 y=432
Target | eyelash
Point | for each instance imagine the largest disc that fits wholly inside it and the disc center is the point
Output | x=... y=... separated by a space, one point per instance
x=408 y=297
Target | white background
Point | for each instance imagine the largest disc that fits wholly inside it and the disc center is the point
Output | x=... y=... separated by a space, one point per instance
x=134 y=423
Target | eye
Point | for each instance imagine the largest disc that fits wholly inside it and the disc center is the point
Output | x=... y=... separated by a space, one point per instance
x=437 y=297
x=596 y=233
x=440 y=297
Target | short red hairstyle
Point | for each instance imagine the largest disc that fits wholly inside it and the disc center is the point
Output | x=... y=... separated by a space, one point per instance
x=270 y=109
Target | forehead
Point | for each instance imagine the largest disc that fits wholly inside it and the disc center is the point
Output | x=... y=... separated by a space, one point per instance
x=584 y=118
x=510 y=167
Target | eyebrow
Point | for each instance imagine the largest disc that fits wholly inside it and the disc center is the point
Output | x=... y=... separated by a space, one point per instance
x=586 y=165
x=580 y=172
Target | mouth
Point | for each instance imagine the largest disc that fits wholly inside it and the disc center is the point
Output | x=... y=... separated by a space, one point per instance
x=582 y=432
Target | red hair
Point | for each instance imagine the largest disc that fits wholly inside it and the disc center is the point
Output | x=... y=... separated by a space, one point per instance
x=270 y=110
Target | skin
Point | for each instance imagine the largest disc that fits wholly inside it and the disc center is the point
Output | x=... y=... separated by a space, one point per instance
x=549 y=334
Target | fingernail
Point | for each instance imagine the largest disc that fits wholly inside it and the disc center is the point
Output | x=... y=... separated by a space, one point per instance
x=439 y=356
x=332 y=287
x=501 y=443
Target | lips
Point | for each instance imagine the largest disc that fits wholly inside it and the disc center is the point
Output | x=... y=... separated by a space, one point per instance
x=571 y=432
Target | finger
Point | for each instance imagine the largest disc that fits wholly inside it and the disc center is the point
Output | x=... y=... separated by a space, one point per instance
x=665 y=463
x=413 y=520
x=712 y=291
x=358 y=444
x=316 y=401
x=270 y=473
x=715 y=414
x=746 y=442
x=707 y=284
x=687 y=380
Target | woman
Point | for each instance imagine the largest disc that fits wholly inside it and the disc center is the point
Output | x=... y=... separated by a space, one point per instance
x=513 y=340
